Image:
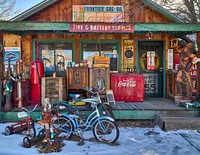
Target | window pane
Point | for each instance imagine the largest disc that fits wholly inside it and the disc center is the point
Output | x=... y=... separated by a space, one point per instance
x=89 y=51
x=62 y=58
x=46 y=54
x=108 y=47
x=63 y=55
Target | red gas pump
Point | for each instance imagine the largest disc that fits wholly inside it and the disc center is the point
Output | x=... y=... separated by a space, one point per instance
x=36 y=73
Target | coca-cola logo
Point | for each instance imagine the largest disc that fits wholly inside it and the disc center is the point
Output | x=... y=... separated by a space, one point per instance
x=127 y=83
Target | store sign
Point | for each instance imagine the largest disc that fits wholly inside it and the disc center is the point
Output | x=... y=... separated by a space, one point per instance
x=98 y=13
x=101 y=27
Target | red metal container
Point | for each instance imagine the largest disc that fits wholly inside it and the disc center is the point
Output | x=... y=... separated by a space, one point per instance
x=128 y=87
x=36 y=72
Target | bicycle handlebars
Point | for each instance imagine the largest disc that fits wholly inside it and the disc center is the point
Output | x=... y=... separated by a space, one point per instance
x=95 y=90
x=30 y=110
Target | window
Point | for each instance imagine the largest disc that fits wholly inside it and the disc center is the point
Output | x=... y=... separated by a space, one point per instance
x=55 y=56
x=104 y=48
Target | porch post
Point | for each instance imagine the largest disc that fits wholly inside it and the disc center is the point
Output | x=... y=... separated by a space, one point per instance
x=198 y=65
x=1 y=69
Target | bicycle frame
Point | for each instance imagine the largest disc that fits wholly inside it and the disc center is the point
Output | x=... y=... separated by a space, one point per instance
x=93 y=117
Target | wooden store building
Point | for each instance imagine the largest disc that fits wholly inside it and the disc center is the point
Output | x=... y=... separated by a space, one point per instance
x=131 y=46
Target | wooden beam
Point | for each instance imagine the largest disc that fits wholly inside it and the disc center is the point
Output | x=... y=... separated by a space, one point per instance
x=11 y=26
x=166 y=27
x=34 y=26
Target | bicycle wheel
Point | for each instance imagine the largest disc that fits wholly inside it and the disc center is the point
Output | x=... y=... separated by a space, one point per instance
x=65 y=126
x=106 y=131
x=8 y=131
x=26 y=142
x=32 y=131
x=107 y=111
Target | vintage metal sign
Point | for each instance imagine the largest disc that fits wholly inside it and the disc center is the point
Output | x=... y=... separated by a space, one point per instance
x=97 y=13
x=128 y=55
x=102 y=27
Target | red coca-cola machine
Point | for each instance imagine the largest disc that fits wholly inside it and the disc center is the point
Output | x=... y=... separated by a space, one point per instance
x=36 y=73
x=128 y=87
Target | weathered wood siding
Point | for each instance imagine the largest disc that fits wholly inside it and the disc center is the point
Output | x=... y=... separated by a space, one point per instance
x=62 y=12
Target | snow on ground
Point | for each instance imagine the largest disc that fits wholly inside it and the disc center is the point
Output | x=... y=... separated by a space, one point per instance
x=132 y=141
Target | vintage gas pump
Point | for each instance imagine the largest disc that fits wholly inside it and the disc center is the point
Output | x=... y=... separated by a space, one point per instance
x=36 y=73
x=7 y=85
x=20 y=76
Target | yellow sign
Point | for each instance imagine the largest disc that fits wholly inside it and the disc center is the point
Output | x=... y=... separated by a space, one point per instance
x=128 y=47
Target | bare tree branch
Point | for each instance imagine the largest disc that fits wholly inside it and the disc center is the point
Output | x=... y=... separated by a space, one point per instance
x=7 y=9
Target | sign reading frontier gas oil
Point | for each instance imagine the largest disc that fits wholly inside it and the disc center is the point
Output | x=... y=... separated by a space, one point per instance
x=98 y=13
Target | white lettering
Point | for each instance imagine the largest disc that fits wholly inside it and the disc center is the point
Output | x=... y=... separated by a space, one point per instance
x=127 y=83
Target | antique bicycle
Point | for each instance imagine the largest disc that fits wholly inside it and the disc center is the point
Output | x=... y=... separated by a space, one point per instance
x=104 y=128
x=104 y=108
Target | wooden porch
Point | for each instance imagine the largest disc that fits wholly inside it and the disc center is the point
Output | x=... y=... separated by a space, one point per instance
x=150 y=107
x=162 y=111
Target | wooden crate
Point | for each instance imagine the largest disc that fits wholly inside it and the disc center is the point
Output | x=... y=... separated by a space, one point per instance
x=53 y=88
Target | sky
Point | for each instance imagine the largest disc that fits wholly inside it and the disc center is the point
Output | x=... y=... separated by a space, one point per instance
x=23 y=5
x=132 y=141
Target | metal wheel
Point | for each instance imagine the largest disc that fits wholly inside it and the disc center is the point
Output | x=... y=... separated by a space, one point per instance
x=26 y=142
x=30 y=131
x=8 y=131
x=65 y=126
x=106 y=131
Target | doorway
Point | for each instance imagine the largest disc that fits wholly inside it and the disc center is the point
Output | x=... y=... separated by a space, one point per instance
x=150 y=54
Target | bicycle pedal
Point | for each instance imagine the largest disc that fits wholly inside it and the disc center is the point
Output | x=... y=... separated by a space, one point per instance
x=81 y=142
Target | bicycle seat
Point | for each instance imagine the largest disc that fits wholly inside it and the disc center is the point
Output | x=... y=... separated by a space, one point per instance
x=74 y=95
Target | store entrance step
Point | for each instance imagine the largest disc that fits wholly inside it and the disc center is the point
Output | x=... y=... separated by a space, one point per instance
x=167 y=123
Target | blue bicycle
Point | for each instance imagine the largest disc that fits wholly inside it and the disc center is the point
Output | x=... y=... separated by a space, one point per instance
x=104 y=128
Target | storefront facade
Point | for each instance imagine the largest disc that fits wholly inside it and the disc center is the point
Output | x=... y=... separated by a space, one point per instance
x=61 y=31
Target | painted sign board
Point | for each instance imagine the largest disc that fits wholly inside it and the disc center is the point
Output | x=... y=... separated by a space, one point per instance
x=97 y=13
x=102 y=27
x=13 y=53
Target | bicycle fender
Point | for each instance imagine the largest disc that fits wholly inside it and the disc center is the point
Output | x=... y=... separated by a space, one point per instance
x=101 y=118
x=70 y=117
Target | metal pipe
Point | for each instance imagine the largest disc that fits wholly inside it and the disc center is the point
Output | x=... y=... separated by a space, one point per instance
x=19 y=90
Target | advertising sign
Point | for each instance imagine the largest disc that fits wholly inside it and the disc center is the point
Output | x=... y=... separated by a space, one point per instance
x=98 y=13
x=150 y=83
x=101 y=27
x=128 y=55
x=151 y=60
x=13 y=53
x=132 y=86
x=170 y=59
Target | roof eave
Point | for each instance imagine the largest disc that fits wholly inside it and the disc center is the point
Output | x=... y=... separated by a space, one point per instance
x=162 y=10
x=33 y=10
